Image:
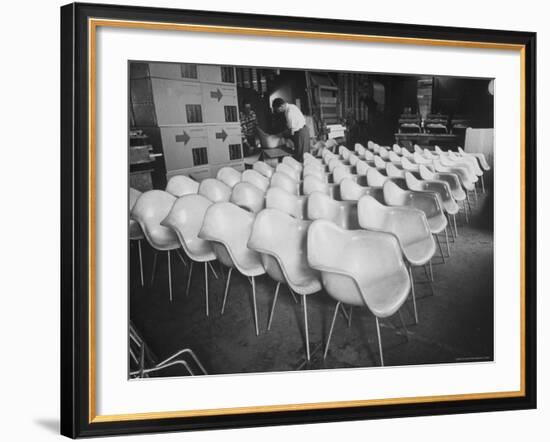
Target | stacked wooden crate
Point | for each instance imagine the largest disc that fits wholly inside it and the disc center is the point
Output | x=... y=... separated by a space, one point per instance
x=194 y=111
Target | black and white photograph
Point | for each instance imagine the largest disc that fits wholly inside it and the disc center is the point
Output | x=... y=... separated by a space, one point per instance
x=290 y=219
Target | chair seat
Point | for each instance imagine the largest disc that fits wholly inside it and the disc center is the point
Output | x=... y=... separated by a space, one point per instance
x=228 y=227
x=437 y=223
x=359 y=267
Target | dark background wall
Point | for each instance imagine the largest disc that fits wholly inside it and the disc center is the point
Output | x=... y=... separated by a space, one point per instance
x=455 y=97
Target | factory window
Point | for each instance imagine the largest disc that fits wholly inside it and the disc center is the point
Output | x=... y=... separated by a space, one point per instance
x=231 y=114
x=200 y=156
x=228 y=74
x=194 y=113
x=235 y=152
x=189 y=70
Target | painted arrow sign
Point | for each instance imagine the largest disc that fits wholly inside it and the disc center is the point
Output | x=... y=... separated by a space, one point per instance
x=216 y=94
x=183 y=138
x=221 y=135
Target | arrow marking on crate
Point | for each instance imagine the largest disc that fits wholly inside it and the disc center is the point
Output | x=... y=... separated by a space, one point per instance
x=221 y=135
x=183 y=138
x=216 y=94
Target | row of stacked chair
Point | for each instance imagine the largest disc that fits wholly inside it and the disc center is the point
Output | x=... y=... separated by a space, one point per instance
x=342 y=222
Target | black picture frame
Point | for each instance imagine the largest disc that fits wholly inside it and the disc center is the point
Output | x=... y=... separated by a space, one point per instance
x=76 y=418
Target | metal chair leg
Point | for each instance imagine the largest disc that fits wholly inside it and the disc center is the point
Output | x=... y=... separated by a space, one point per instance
x=482 y=184
x=169 y=276
x=155 y=256
x=431 y=271
x=440 y=249
x=140 y=262
x=189 y=278
x=331 y=329
x=182 y=259
x=413 y=295
x=206 y=287
x=255 y=308
x=273 y=306
x=226 y=288
x=379 y=342
x=212 y=268
x=465 y=211
x=349 y=316
x=305 y=326
x=447 y=241
x=454 y=222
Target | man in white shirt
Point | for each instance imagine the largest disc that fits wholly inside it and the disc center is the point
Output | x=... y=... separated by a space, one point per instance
x=296 y=126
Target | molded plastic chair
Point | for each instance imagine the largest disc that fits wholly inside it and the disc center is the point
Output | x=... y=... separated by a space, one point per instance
x=180 y=185
x=344 y=152
x=134 y=230
x=460 y=172
x=379 y=163
x=393 y=171
x=291 y=162
x=327 y=156
x=370 y=145
x=452 y=180
x=353 y=159
x=418 y=149
x=149 y=210
x=186 y=218
x=478 y=155
x=410 y=226
x=359 y=149
x=396 y=148
x=229 y=176
x=253 y=177
x=342 y=172
x=248 y=196
x=334 y=163
x=288 y=170
x=343 y=213
x=441 y=188
x=281 y=240
x=228 y=227
x=359 y=268
x=411 y=167
x=406 y=153
x=263 y=168
x=282 y=180
x=394 y=158
x=361 y=167
x=375 y=178
x=428 y=154
x=384 y=153
x=215 y=190
x=277 y=198
x=314 y=184
x=428 y=202
x=472 y=164
x=351 y=191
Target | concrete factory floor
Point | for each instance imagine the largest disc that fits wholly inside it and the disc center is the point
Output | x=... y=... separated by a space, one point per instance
x=455 y=324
